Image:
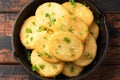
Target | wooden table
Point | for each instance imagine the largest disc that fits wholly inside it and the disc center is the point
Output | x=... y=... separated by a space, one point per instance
x=10 y=69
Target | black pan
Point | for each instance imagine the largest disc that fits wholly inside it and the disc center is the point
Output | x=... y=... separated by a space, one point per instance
x=19 y=50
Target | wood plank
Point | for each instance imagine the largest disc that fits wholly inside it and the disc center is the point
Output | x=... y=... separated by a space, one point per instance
x=109 y=6
x=109 y=72
x=2 y=24
x=6 y=23
x=104 y=72
x=10 y=19
x=113 y=56
x=17 y=71
x=93 y=76
x=14 y=72
x=15 y=77
x=6 y=57
x=12 y=5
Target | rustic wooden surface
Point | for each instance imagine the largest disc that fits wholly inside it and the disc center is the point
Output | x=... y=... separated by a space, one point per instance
x=10 y=69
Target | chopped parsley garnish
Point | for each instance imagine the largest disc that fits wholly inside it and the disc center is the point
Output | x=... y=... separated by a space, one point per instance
x=70 y=30
x=40 y=54
x=88 y=56
x=72 y=2
x=61 y=26
x=39 y=29
x=45 y=37
x=41 y=66
x=97 y=20
x=72 y=69
x=52 y=20
x=31 y=38
x=59 y=46
x=84 y=30
x=34 y=68
x=72 y=49
x=49 y=5
x=28 y=30
x=66 y=39
x=85 y=4
x=54 y=67
x=73 y=17
x=47 y=55
x=27 y=36
x=28 y=54
x=56 y=51
x=81 y=33
x=34 y=24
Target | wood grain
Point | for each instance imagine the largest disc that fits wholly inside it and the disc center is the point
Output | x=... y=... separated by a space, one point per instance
x=14 y=72
x=12 y=6
x=17 y=72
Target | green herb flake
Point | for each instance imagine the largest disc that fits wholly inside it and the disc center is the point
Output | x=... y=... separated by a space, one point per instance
x=88 y=56
x=47 y=55
x=40 y=54
x=84 y=30
x=54 y=66
x=27 y=36
x=49 y=5
x=85 y=4
x=72 y=49
x=61 y=26
x=72 y=2
x=33 y=23
x=28 y=30
x=39 y=29
x=70 y=30
x=34 y=68
x=47 y=15
x=41 y=66
x=59 y=46
x=81 y=33
x=28 y=55
x=66 y=39
x=97 y=20
x=52 y=20
x=73 y=17
x=72 y=69
x=31 y=39
x=45 y=37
